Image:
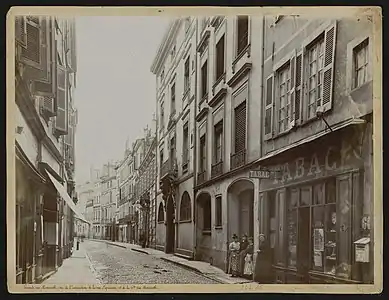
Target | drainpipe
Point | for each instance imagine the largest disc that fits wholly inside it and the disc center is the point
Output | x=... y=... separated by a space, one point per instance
x=156 y=159
x=261 y=58
x=261 y=71
x=195 y=148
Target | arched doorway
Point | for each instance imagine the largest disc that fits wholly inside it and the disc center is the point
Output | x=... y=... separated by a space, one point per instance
x=240 y=203
x=203 y=227
x=170 y=226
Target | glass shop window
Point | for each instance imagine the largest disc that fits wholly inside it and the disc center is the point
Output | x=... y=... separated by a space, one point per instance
x=319 y=227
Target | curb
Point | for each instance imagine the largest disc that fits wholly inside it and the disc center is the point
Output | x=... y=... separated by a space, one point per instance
x=140 y=251
x=48 y=275
x=192 y=269
x=94 y=272
x=109 y=243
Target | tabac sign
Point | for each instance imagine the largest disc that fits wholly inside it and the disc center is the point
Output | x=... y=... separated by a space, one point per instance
x=259 y=174
x=263 y=173
x=326 y=161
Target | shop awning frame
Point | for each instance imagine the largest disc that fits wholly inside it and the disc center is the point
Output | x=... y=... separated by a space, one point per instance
x=63 y=193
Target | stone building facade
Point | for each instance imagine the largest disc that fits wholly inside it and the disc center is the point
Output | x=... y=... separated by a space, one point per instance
x=280 y=144
x=46 y=119
x=175 y=69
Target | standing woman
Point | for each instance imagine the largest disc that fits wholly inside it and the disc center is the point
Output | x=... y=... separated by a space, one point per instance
x=248 y=259
x=234 y=248
x=242 y=254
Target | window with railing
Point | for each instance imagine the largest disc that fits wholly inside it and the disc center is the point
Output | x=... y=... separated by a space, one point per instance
x=185 y=147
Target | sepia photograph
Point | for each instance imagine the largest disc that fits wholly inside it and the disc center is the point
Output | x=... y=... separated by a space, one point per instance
x=194 y=149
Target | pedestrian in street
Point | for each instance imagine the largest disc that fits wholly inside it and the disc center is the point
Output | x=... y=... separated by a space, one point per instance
x=78 y=243
x=263 y=265
x=242 y=253
x=248 y=260
x=234 y=248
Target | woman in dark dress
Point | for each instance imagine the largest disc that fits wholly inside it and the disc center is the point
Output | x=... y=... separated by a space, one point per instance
x=263 y=266
x=242 y=254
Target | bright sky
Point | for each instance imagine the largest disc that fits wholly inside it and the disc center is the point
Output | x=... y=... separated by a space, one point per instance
x=115 y=93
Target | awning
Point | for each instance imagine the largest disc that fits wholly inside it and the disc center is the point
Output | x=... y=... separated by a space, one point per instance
x=351 y=121
x=61 y=190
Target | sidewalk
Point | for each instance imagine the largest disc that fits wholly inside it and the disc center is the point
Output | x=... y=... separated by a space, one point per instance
x=76 y=269
x=201 y=267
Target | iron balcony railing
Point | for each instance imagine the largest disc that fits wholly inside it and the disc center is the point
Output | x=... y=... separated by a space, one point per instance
x=201 y=177
x=238 y=159
x=217 y=169
x=168 y=167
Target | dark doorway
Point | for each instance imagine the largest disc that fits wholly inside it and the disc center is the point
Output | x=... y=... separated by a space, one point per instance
x=303 y=253
x=170 y=229
x=246 y=218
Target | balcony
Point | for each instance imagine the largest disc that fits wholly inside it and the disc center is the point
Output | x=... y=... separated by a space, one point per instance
x=238 y=159
x=217 y=169
x=169 y=167
x=201 y=177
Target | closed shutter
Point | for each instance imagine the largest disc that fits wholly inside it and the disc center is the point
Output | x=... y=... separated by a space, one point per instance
x=240 y=127
x=33 y=40
x=61 y=120
x=20 y=30
x=298 y=87
x=269 y=104
x=292 y=91
x=329 y=57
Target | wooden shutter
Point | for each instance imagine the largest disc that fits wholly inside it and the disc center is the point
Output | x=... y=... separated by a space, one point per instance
x=329 y=58
x=240 y=127
x=33 y=40
x=269 y=105
x=298 y=87
x=20 y=30
x=292 y=92
x=280 y=215
x=61 y=120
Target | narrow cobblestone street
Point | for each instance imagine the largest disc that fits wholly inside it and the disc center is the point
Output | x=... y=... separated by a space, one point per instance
x=115 y=265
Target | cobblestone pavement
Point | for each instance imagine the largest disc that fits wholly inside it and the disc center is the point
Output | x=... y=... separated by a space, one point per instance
x=115 y=265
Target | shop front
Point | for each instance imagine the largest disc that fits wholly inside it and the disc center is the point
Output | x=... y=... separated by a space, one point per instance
x=28 y=220
x=316 y=211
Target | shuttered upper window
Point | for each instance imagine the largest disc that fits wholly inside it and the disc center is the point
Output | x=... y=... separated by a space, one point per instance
x=315 y=76
x=302 y=86
x=33 y=41
x=240 y=127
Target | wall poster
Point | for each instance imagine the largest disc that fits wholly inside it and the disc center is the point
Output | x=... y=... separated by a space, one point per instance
x=318 y=239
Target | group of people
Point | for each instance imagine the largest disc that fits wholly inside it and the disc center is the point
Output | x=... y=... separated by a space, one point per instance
x=241 y=256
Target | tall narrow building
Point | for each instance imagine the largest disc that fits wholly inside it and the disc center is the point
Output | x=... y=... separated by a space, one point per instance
x=46 y=119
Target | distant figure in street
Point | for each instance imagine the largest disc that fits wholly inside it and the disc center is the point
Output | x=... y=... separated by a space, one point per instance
x=78 y=243
x=234 y=248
